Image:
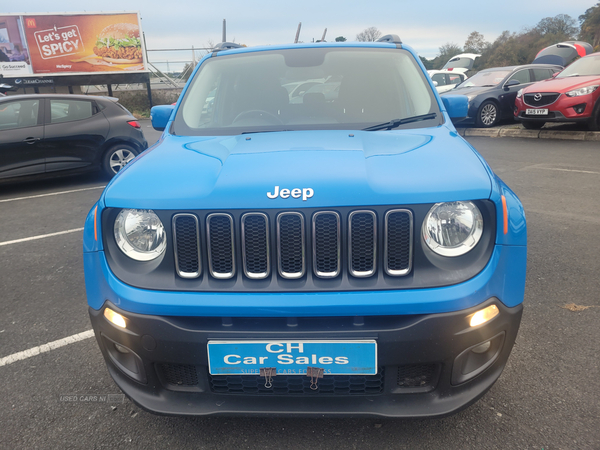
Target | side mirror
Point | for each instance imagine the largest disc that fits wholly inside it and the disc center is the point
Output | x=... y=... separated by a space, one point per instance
x=160 y=116
x=457 y=106
x=511 y=83
x=435 y=83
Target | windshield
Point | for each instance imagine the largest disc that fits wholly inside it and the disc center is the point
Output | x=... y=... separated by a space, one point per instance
x=305 y=89
x=459 y=63
x=590 y=65
x=487 y=78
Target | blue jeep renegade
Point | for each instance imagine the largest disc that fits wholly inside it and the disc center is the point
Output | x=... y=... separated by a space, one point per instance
x=309 y=236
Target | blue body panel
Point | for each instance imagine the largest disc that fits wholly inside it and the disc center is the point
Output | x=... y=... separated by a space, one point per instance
x=359 y=168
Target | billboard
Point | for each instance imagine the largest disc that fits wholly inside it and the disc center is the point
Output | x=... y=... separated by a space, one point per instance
x=70 y=44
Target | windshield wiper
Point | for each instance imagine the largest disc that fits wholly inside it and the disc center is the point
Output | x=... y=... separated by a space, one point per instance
x=397 y=122
x=263 y=131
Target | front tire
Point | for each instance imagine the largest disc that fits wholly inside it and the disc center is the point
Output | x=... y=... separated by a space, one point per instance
x=594 y=123
x=488 y=115
x=533 y=125
x=117 y=157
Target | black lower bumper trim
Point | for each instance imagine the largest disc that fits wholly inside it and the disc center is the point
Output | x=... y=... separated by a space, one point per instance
x=418 y=358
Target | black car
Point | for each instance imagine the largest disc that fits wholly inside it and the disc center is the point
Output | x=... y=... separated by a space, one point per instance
x=43 y=134
x=492 y=92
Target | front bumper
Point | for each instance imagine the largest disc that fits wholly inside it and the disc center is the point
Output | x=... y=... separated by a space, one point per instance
x=562 y=110
x=422 y=361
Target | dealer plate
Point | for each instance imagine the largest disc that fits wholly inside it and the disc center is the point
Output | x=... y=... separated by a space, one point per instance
x=536 y=112
x=292 y=357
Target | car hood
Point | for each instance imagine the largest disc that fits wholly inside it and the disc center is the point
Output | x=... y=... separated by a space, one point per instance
x=563 y=85
x=341 y=168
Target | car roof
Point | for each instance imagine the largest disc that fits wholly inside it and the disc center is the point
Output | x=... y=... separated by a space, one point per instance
x=524 y=66
x=61 y=96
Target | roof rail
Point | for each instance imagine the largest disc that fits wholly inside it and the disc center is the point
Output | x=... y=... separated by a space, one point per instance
x=225 y=46
x=391 y=38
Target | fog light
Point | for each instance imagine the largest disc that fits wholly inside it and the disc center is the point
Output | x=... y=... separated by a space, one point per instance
x=115 y=318
x=480 y=348
x=484 y=315
x=125 y=350
x=579 y=108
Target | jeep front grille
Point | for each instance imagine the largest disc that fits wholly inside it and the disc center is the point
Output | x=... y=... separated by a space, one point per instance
x=330 y=245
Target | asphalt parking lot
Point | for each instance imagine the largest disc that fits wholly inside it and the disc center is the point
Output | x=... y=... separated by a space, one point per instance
x=56 y=391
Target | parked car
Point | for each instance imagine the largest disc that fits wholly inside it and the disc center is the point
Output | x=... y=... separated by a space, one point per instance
x=350 y=254
x=492 y=92
x=4 y=88
x=43 y=134
x=445 y=80
x=563 y=53
x=572 y=96
x=454 y=72
x=461 y=63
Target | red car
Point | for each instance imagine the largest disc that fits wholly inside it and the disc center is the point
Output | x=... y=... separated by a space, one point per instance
x=571 y=96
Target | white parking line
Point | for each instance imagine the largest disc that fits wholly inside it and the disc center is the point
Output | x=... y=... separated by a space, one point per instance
x=45 y=348
x=568 y=170
x=33 y=238
x=52 y=193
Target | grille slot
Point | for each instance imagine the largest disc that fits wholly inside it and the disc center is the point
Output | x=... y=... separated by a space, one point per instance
x=362 y=236
x=413 y=376
x=326 y=244
x=290 y=245
x=298 y=385
x=186 y=235
x=219 y=228
x=547 y=98
x=255 y=245
x=178 y=374
x=398 y=242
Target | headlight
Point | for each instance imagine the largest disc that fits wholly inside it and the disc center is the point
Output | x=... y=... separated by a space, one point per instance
x=140 y=234
x=519 y=93
x=453 y=228
x=582 y=91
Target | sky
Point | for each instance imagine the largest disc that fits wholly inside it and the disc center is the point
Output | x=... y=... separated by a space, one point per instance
x=425 y=26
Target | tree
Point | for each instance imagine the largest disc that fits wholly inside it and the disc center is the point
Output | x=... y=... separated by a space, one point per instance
x=340 y=39
x=370 y=34
x=476 y=43
x=562 y=26
x=428 y=64
x=590 y=26
x=449 y=49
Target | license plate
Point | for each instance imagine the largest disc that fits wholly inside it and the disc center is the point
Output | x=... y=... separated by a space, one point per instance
x=536 y=112
x=292 y=357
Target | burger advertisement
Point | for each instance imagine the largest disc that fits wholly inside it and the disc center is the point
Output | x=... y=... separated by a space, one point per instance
x=50 y=44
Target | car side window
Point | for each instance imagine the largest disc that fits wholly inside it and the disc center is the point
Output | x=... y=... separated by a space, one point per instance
x=19 y=114
x=440 y=78
x=522 y=76
x=455 y=79
x=541 y=74
x=69 y=110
